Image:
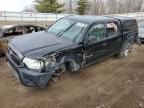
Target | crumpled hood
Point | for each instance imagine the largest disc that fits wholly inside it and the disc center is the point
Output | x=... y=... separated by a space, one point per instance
x=39 y=44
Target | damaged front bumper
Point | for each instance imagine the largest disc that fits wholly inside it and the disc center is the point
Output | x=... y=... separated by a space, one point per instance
x=28 y=77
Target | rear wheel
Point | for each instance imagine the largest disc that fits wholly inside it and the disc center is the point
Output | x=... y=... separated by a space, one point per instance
x=126 y=50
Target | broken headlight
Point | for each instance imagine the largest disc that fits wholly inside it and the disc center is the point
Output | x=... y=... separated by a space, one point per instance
x=50 y=60
x=33 y=63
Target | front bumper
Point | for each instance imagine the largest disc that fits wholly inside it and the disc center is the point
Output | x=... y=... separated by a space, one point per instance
x=28 y=77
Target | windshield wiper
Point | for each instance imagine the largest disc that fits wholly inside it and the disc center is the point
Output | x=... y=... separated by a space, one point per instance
x=60 y=33
x=63 y=31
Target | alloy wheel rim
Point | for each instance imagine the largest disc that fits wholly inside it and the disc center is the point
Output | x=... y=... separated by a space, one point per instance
x=126 y=52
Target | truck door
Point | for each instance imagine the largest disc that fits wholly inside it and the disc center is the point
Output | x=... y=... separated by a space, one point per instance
x=96 y=45
x=114 y=36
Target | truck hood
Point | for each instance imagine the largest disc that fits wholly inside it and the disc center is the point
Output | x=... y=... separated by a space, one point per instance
x=40 y=44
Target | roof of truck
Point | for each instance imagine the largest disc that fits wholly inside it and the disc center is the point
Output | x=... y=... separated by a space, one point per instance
x=92 y=19
x=121 y=17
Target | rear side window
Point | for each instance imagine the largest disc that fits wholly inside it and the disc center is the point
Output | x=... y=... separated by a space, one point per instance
x=112 y=29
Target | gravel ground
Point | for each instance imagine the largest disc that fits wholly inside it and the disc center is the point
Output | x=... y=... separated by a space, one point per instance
x=112 y=83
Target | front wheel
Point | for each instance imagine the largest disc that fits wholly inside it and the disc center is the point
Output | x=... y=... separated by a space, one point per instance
x=73 y=66
x=126 y=50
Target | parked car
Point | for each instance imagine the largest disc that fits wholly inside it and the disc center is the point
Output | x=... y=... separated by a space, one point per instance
x=9 y=31
x=71 y=43
x=141 y=31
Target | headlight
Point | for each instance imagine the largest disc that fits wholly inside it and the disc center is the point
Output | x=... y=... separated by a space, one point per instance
x=33 y=63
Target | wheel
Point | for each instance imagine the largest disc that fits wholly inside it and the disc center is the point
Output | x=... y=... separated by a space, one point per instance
x=73 y=66
x=126 y=50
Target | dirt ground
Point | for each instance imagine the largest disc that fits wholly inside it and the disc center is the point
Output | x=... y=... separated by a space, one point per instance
x=112 y=83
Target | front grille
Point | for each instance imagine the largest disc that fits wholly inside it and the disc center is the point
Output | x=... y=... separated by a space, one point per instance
x=14 y=56
x=15 y=59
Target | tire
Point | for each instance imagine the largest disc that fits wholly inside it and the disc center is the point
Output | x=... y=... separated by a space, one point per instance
x=125 y=51
x=73 y=66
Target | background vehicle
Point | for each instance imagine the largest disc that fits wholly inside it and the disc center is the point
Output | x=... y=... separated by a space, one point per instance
x=141 y=31
x=9 y=31
x=71 y=43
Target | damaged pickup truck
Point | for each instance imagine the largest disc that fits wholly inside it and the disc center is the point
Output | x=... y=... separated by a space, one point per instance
x=70 y=44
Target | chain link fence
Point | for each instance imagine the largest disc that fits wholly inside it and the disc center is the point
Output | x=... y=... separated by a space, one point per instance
x=7 y=18
x=28 y=17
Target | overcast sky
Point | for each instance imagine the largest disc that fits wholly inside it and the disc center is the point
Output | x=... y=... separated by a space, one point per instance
x=14 y=5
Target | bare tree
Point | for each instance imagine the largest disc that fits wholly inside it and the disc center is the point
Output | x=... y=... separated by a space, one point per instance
x=70 y=6
x=100 y=7
x=29 y=9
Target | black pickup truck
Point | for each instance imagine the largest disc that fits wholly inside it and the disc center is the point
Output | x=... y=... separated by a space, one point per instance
x=70 y=44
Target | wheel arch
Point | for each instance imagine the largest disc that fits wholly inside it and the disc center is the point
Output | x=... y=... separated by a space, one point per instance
x=71 y=61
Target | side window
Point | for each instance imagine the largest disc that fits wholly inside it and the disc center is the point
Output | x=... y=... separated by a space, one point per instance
x=96 y=33
x=14 y=32
x=25 y=30
x=30 y=29
x=18 y=30
x=9 y=32
x=42 y=28
x=112 y=29
x=38 y=29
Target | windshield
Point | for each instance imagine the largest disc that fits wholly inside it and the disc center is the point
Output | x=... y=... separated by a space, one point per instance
x=67 y=28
